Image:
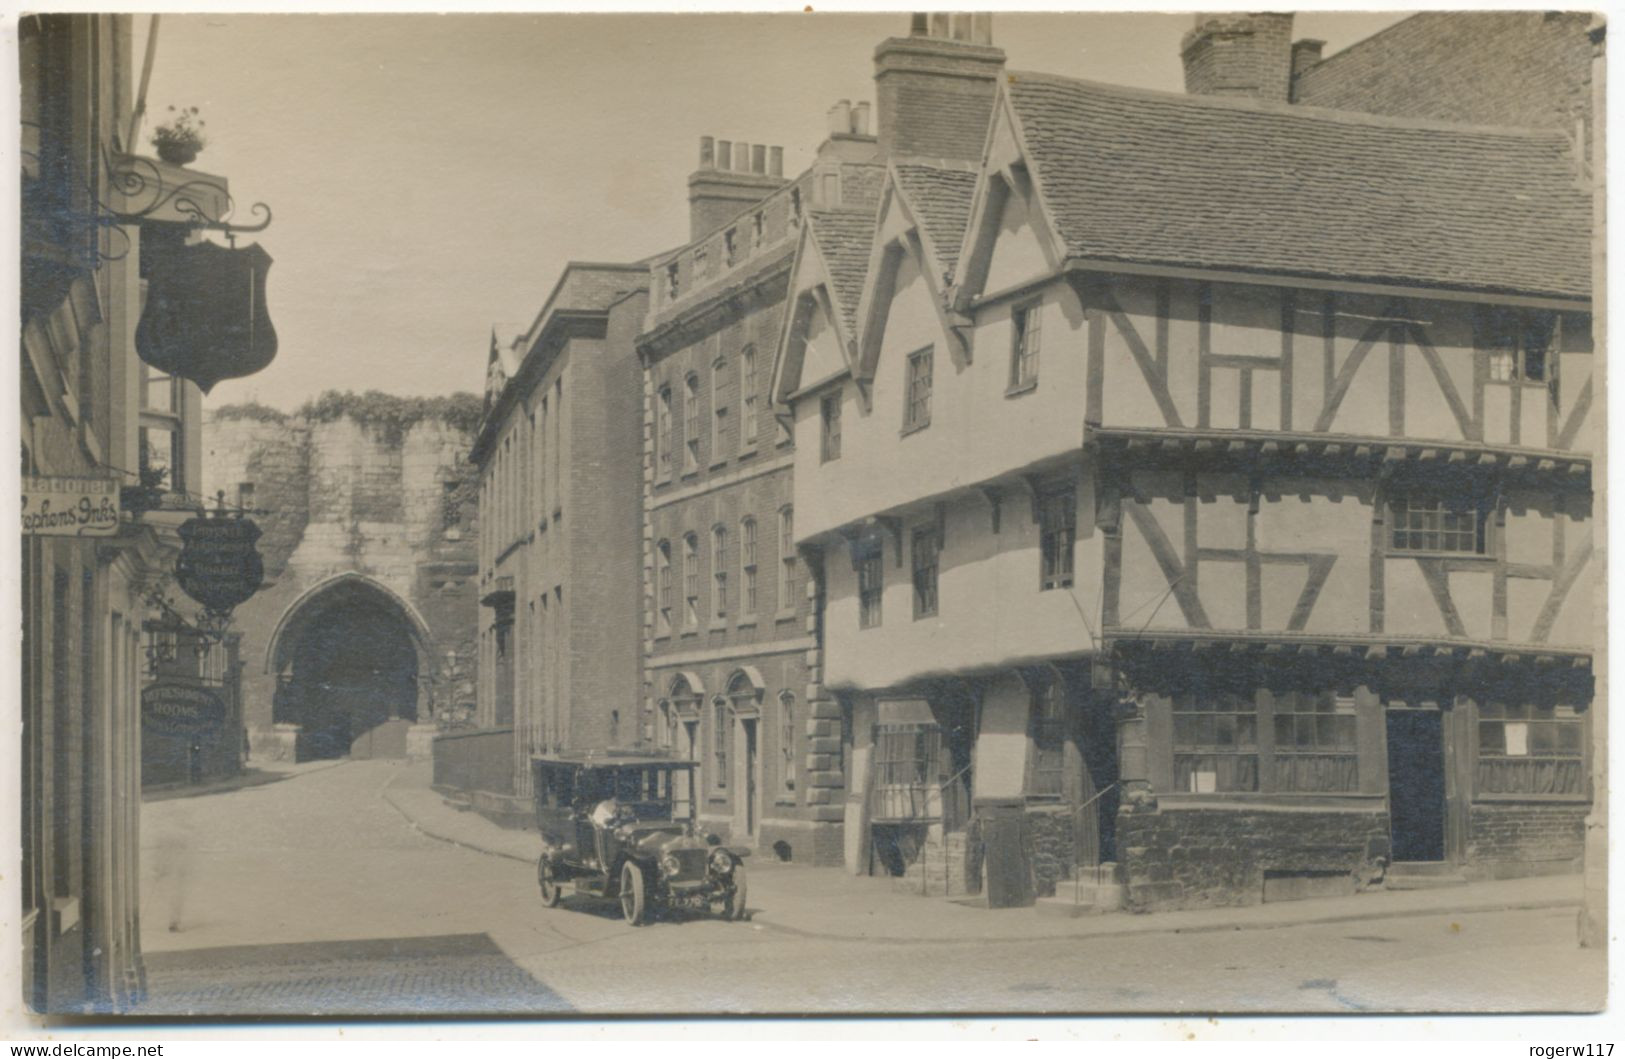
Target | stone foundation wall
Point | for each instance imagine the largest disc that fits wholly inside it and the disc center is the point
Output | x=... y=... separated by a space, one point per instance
x=1510 y=839
x=1193 y=858
x=817 y=844
x=1050 y=831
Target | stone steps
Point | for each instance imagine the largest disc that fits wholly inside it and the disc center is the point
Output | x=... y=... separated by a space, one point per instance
x=1096 y=891
x=1422 y=875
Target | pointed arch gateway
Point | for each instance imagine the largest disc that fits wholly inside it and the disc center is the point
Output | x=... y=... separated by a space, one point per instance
x=351 y=659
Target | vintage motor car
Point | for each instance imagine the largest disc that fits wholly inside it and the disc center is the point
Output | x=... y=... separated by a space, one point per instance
x=622 y=827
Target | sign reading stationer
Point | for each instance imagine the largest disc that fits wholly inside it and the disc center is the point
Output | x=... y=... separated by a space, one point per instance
x=70 y=507
x=219 y=565
x=181 y=708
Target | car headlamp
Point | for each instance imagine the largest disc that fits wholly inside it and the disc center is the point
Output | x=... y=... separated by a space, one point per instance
x=722 y=861
x=670 y=865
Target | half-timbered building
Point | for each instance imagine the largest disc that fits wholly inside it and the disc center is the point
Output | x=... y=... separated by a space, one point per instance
x=1201 y=496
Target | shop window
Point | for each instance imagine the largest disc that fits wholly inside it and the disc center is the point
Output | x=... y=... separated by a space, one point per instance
x=925 y=551
x=906 y=755
x=1215 y=743
x=1046 y=763
x=1315 y=748
x=1529 y=749
x=1058 y=527
x=1439 y=527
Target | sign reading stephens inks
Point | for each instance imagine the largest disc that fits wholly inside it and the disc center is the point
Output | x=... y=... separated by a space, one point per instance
x=70 y=507
x=181 y=708
x=219 y=565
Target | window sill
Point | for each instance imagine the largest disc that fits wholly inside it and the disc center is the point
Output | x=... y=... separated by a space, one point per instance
x=695 y=473
x=661 y=637
x=785 y=615
x=1418 y=553
x=786 y=800
x=1020 y=388
x=746 y=453
x=718 y=464
x=1544 y=799
x=914 y=429
x=718 y=626
x=747 y=622
x=688 y=634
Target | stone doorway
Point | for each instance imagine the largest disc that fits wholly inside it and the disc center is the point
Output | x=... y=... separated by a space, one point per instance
x=348 y=660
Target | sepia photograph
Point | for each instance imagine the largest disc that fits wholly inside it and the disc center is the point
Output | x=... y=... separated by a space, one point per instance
x=587 y=516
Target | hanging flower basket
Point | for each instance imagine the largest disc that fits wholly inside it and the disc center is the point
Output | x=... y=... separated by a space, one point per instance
x=179 y=139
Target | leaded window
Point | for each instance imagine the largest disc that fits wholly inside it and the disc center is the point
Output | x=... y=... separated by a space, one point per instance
x=871 y=572
x=1315 y=742
x=1046 y=768
x=917 y=407
x=830 y=424
x=1025 y=344
x=925 y=555
x=1530 y=749
x=1215 y=743
x=1438 y=526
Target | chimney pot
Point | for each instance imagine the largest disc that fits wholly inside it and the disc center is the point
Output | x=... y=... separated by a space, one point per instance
x=775 y=161
x=940 y=25
x=860 y=118
x=725 y=154
x=741 y=157
x=919 y=24
x=840 y=118
x=758 y=158
x=1239 y=54
x=708 y=152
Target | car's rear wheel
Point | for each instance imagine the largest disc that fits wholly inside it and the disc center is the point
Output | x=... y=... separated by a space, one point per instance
x=551 y=891
x=632 y=897
x=735 y=907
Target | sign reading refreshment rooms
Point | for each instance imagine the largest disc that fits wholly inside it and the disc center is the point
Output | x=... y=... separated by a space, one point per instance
x=70 y=507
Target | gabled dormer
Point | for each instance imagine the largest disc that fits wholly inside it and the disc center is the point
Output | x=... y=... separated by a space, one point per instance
x=819 y=342
x=921 y=223
x=1010 y=241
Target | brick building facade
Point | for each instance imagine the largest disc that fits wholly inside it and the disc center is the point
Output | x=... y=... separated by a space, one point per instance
x=362 y=638
x=559 y=458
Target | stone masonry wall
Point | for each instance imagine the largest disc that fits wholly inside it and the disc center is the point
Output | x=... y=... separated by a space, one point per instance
x=1193 y=858
x=390 y=502
x=1506 y=839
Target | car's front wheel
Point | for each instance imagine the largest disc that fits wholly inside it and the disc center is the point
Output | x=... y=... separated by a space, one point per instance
x=551 y=891
x=735 y=906
x=632 y=896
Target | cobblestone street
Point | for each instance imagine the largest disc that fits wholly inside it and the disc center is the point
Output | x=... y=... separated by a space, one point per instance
x=316 y=895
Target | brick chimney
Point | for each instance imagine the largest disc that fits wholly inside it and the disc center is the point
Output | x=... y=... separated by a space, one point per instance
x=730 y=178
x=1305 y=53
x=1240 y=54
x=934 y=88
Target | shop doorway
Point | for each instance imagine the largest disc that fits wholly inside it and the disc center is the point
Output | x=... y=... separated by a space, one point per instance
x=1416 y=784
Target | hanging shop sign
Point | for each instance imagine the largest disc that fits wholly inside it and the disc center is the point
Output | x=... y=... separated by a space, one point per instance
x=182 y=709
x=205 y=318
x=219 y=565
x=70 y=507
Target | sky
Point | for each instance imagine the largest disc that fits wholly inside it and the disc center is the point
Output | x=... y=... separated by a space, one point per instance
x=429 y=175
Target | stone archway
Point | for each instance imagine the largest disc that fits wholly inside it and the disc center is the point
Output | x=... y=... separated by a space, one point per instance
x=348 y=656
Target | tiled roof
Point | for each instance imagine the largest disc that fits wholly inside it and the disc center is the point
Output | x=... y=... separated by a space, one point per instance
x=1155 y=177
x=941 y=200
x=844 y=238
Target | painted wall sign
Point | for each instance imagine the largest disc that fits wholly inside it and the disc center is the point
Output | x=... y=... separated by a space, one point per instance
x=205 y=318
x=181 y=708
x=219 y=565
x=70 y=507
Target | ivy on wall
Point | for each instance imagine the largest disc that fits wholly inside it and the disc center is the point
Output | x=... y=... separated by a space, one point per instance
x=249 y=410
x=392 y=414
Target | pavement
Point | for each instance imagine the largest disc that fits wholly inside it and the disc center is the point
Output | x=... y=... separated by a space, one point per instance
x=831 y=904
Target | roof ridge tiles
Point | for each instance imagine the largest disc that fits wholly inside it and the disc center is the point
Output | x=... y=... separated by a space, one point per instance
x=1300 y=111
